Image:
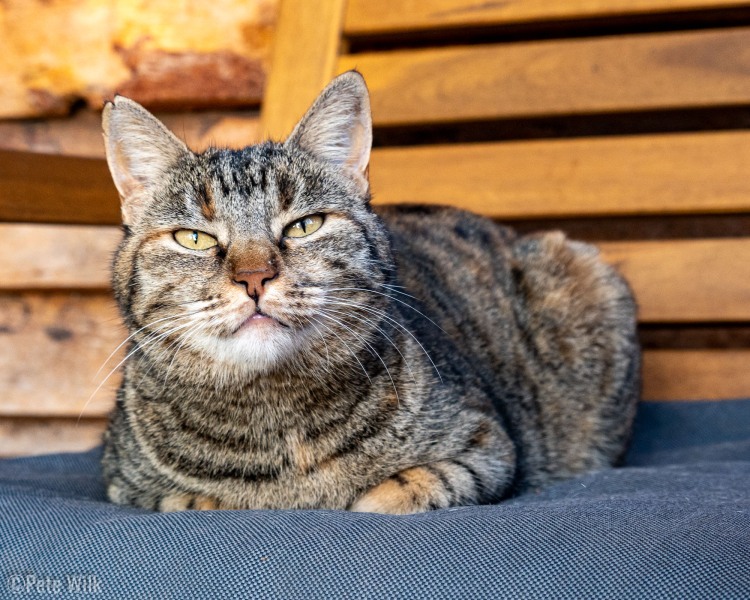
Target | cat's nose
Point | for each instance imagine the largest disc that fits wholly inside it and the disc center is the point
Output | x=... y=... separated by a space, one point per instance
x=255 y=281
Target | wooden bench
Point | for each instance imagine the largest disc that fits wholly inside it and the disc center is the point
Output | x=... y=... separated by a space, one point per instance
x=622 y=122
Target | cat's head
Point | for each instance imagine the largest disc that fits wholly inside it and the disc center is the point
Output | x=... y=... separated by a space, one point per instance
x=250 y=257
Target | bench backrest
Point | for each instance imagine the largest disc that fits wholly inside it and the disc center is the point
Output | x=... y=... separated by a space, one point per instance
x=622 y=122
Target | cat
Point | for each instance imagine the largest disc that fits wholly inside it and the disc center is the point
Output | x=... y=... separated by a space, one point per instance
x=293 y=346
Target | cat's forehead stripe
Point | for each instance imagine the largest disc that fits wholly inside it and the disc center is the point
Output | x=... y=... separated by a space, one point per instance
x=286 y=191
x=257 y=177
x=240 y=171
x=206 y=201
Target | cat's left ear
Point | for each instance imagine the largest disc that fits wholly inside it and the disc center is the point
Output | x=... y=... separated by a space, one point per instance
x=140 y=149
x=338 y=127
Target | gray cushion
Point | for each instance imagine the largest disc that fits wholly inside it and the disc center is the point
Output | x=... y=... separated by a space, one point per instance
x=675 y=523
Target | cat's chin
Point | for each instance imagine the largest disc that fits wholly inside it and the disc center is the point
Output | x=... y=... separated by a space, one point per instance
x=260 y=344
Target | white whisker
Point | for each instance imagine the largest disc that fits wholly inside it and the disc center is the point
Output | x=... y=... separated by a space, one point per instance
x=137 y=331
x=152 y=338
x=384 y=315
x=370 y=325
x=185 y=336
x=392 y=298
x=325 y=314
x=390 y=289
x=322 y=337
x=347 y=347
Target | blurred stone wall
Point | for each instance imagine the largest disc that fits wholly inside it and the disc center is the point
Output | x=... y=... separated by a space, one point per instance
x=58 y=54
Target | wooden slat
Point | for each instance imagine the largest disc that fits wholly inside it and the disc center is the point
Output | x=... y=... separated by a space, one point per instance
x=54 y=171
x=56 y=256
x=34 y=436
x=308 y=36
x=622 y=73
x=51 y=347
x=365 y=17
x=676 y=281
x=650 y=174
x=696 y=374
x=668 y=375
x=56 y=189
x=686 y=281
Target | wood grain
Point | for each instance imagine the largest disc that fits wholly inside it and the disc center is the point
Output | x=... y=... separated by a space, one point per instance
x=683 y=281
x=365 y=17
x=649 y=174
x=533 y=79
x=56 y=256
x=669 y=375
x=55 y=172
x=696 y=374
x=32 y=436
x=51 y=347
x=54 y=344
x=56 y=189
x=55 y=376
x=308 y=37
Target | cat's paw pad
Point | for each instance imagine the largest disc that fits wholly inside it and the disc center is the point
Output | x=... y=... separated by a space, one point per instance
x=411 y=491
x=178 y=502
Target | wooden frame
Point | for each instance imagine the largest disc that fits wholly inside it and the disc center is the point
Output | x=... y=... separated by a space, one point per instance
x=429 y=79
x=421 y=80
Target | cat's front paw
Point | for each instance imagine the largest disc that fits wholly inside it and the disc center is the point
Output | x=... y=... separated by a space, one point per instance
x=411 y=491
x=178 y=502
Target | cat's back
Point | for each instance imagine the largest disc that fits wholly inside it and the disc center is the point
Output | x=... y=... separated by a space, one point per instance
x=473 y=274
x=542 y=318
x=458 y=265
x=454 y=261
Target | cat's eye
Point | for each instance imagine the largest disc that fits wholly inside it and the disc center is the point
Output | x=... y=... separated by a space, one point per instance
x=195 y=240
x=305 y=226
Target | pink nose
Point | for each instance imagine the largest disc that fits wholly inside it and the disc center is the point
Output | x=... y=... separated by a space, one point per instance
x=254 y=281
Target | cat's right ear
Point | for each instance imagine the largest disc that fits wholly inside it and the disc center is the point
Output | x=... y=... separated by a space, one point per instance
x=139 y=149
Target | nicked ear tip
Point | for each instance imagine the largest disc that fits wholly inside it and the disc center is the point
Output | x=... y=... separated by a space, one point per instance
x=111 y=103
x=106 y=111
x=120 y=101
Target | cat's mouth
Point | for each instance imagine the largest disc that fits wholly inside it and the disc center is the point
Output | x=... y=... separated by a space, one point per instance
x=258 y=319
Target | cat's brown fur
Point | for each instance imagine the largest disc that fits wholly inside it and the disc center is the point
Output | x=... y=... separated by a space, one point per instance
x=415 y=358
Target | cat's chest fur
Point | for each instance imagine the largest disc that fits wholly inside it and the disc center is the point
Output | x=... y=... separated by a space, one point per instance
x=273 y=442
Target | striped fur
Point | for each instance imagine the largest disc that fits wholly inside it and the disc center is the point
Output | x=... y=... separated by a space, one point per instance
x=415 y=357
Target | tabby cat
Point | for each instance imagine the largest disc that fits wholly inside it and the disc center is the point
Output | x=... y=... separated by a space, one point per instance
x=294 y=347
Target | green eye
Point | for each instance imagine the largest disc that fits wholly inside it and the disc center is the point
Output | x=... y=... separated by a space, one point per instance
x=195 y=240
x=305 y=226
